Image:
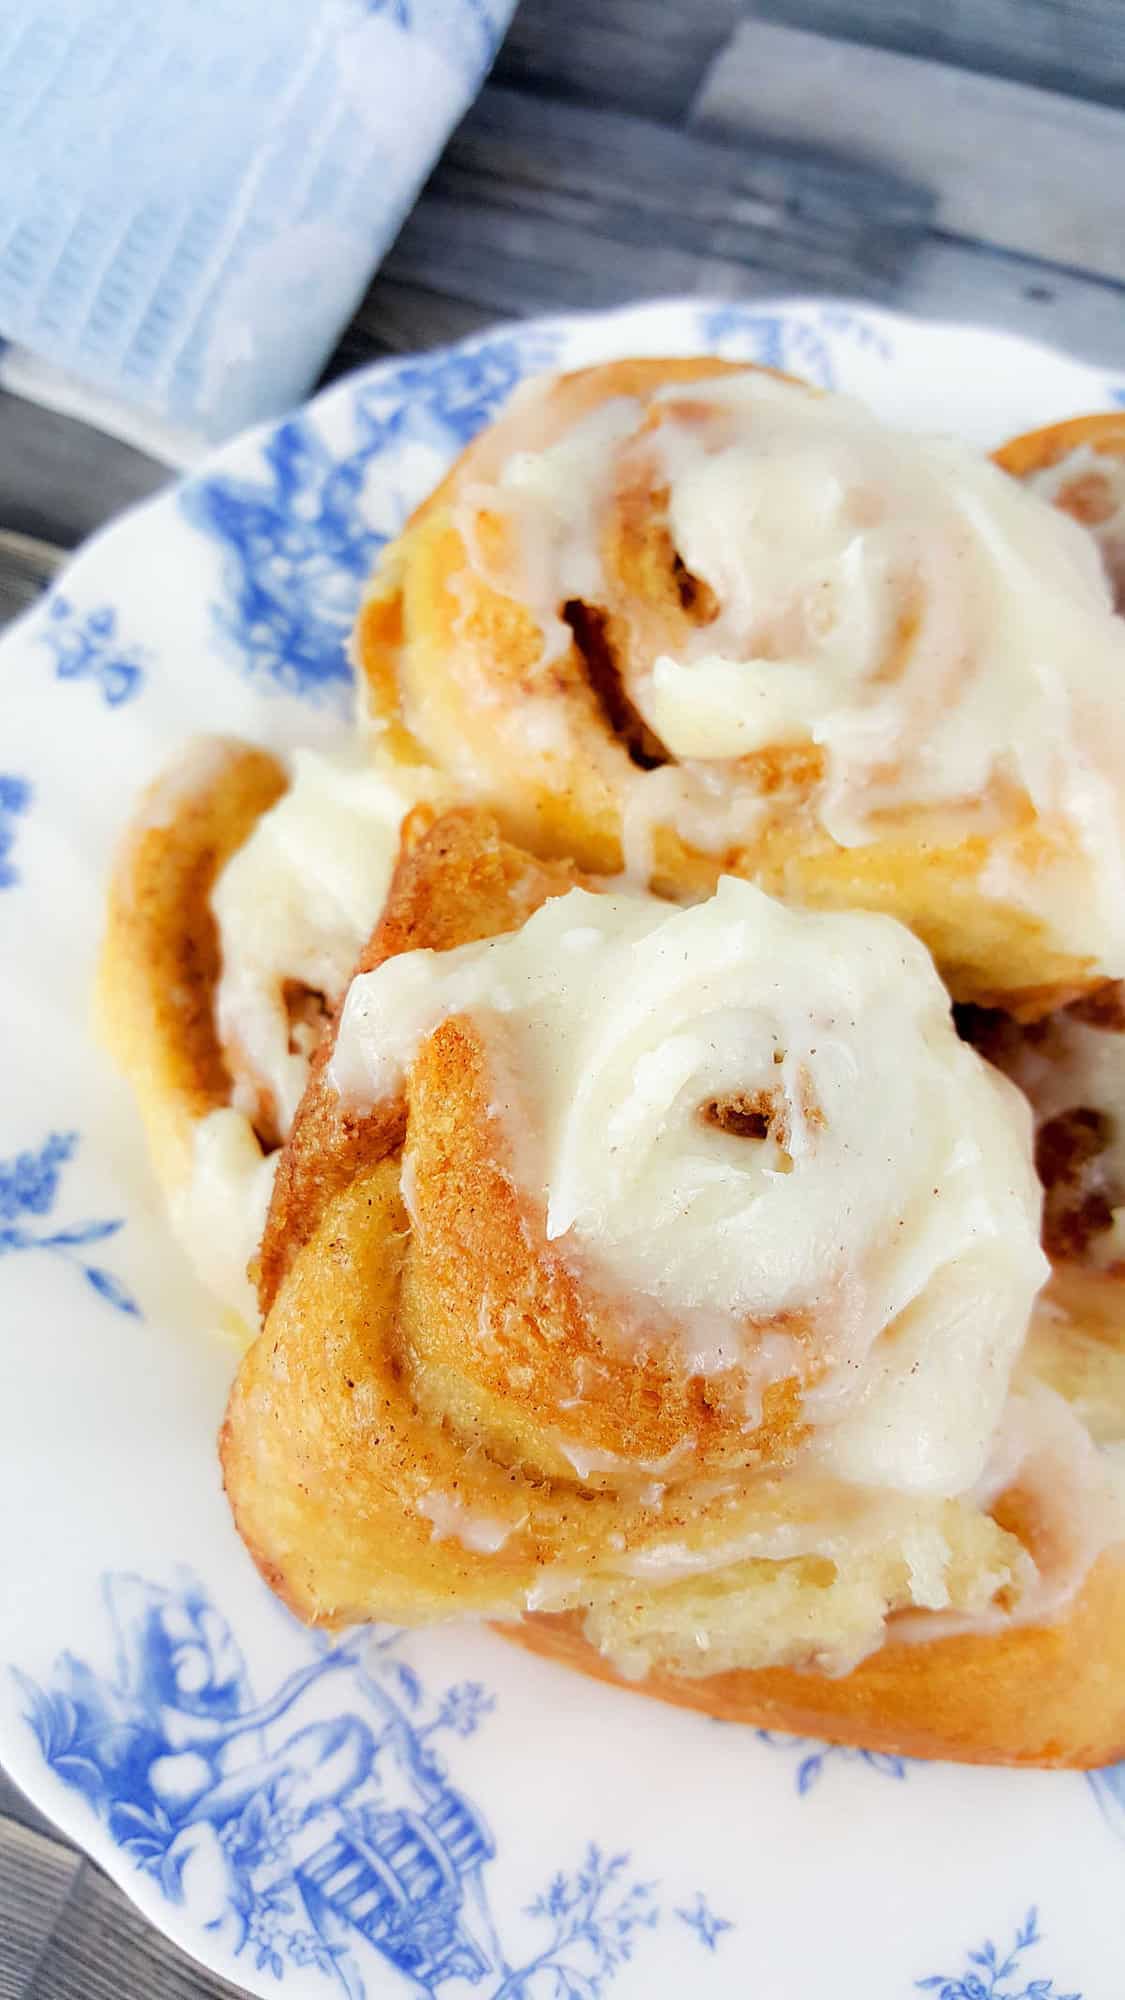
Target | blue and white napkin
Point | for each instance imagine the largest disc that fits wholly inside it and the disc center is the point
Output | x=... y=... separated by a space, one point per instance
x=194 y=193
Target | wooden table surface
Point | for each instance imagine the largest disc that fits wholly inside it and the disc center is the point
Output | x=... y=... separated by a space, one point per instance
x=963 y=161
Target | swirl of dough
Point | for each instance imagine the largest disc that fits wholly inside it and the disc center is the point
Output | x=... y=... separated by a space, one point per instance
x=743 y=1121
x=700 y=619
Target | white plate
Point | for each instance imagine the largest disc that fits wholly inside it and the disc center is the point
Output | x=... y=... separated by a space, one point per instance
x=402 y=1814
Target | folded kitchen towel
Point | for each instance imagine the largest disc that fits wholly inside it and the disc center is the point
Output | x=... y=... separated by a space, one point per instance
x=194 y=193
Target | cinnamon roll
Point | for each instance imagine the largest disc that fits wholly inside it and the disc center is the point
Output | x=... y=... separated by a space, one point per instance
x=656 y=1281
x=689 y=618
x=241 y=897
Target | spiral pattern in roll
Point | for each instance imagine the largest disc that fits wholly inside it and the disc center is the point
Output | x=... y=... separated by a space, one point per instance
x=697 y=619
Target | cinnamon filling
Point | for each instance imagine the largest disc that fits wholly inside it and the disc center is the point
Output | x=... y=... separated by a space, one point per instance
x=589 y=624
x=1104 y=1008
x=697 y=599
x=1076 y=1207
x=746 y=1115
x=308 y=1014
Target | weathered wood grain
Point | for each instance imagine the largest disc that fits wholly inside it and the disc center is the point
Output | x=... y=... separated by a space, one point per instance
x=951 y=279
x=645 y=56
x=59 y=479
x=540 y=203
x=36 y=1876
x=26 y=567
x=103 y=1949
x=1018 y=168
x=1074 y=46
x=399 y=318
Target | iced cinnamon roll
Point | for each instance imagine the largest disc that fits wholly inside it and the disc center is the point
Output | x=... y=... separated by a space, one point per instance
x=685 y=618
x=242 y=895
x=657 y=1281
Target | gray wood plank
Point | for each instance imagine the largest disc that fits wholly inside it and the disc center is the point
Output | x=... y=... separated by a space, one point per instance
x=14 y=1806
x=519 y=264
x=26 y=567
x=399 y=318
x=541 y=204
x=60 y=479
x=103 y=1949
x=1076 y=46
x=1019 y=168
x=645 y=56
x=949 y=279
x=36 y=1876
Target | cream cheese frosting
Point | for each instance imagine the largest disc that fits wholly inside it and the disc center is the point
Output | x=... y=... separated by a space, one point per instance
x=932 y=626
x=298 y=901
x=873 y=1180
x=219 y=1211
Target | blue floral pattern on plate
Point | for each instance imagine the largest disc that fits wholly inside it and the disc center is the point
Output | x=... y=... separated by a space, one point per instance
x=317 y=1832
x=298 y=545
x=29 y=1186
x=15 y=798
x=797 y=344
x=342 y=1845
x=1108 y=1788
x=987 y=1976
x=87 y=646
x=704 y=1921
x=817 y=1756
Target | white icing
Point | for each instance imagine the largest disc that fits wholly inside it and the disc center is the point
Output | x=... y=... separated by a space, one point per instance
x=554 y=496
x=804 y=1515
x=927 y=621
x=1042 y=1449
x=892 y=1206
x=220 y=1212
x=298 y=901
x=589 y=1459
x=695 y=799
x=452 y=1520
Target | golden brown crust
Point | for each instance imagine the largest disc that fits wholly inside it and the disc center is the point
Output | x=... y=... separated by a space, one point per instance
x=330 y=1462
x=364 y=1394
x=160 y=958
x=454 y=882
x=452 y=663
x=1034 y=451
x=1050 y=1694
x=1086 y=495
x=555 y=1342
